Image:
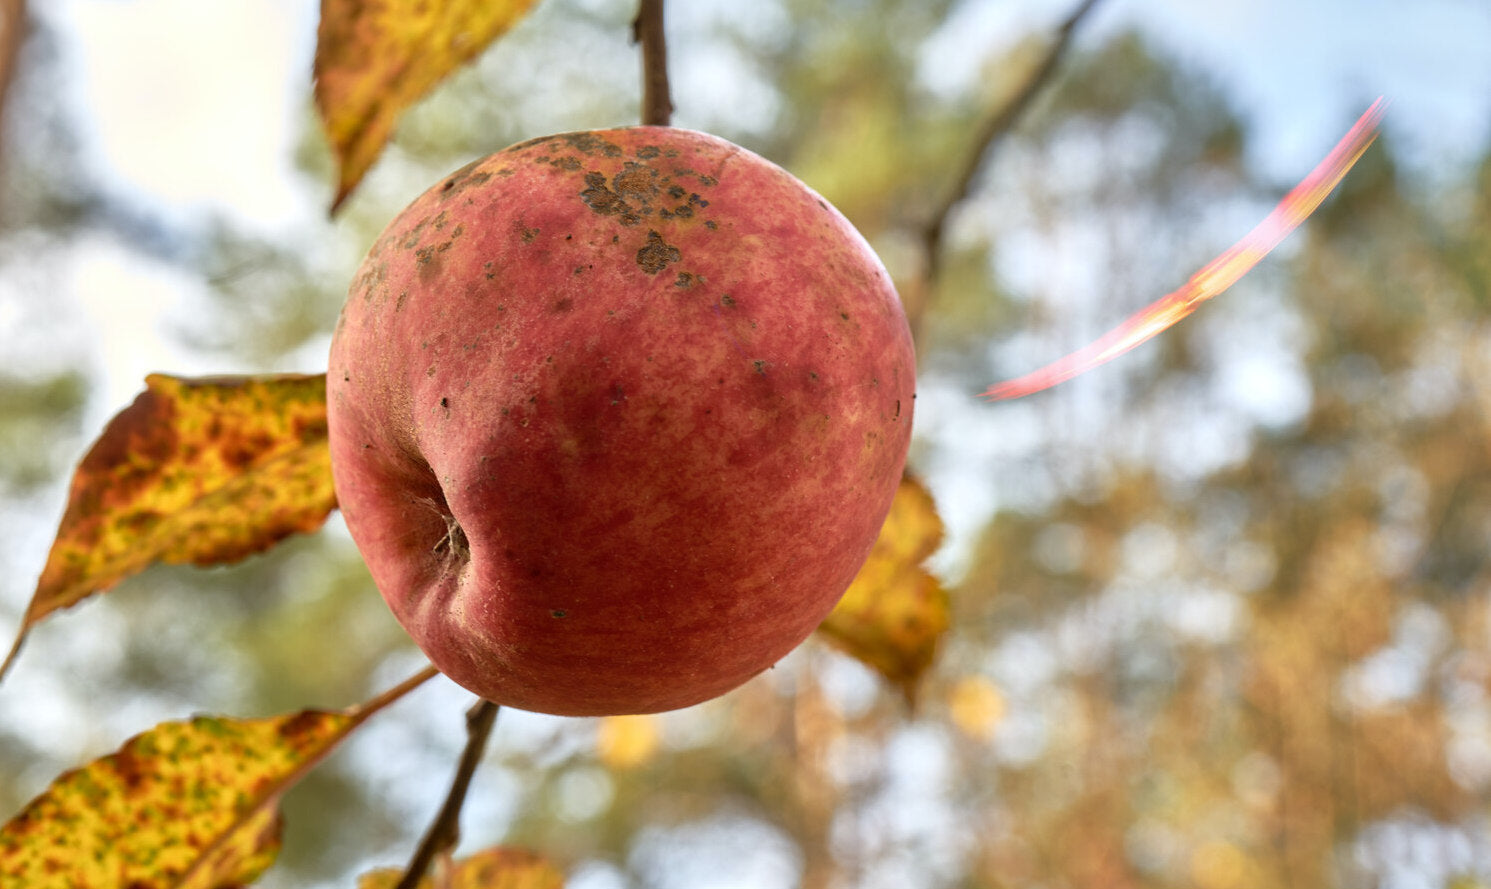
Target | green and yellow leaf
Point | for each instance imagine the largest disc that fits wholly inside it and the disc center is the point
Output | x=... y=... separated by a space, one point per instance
x=375 y=58
x=895 y=611
x=194 y=472
x=496 y=868
x=186 y=805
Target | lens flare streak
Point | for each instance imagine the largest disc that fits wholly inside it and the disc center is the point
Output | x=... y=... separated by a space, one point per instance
x=1217 y=275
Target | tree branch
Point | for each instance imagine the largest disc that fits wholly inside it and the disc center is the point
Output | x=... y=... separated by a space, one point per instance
x=995 y=128
x=647 y=30
x=14 y=23
x=445 y=831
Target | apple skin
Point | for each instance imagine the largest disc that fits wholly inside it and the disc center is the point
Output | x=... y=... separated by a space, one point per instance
x=615 y=418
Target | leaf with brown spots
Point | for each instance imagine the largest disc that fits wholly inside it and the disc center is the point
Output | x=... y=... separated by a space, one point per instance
x=186 y=804
x=194 y=472
x=495 y=868
x=895 y=611
x=375 y=58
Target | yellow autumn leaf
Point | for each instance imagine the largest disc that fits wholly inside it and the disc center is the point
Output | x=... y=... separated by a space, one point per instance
x=624 y=742
x=194 y=472
x=496 y=868
x=186 y=805
x=895 y=611
x=375 y=58
x=1217 y=864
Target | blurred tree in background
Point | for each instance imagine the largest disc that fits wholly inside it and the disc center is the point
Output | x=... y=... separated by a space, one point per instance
x=1228 y=623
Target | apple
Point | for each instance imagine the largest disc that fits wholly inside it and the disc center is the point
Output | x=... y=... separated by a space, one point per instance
x=615 y=418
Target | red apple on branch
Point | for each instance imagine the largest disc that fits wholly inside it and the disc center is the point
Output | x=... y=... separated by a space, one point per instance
x=616 y=416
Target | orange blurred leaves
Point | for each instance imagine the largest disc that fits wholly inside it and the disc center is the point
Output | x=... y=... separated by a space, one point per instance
x=375 y=59
x=195 y=471
x=186 y=804
x=976 y=706
x=496 y=868
x=1218 y=275
x=895 y=611
x=624 y=742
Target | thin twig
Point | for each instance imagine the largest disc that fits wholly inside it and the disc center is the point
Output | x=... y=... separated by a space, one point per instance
x=445 y=831
x=647 y=30
x=14 y=26
x=995 y=128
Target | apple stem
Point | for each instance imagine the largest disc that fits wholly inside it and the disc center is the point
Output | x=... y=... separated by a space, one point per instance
x=647 y=31
x=445 y=831
x=995 y=128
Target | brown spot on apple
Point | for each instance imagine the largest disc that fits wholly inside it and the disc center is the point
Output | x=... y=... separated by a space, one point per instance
x=656 y=254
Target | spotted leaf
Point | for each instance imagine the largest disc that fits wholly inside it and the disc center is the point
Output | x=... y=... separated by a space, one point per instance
x=895 y=611
x=496 y=868
x=194 y=472
x=186 y=805
x=375 y=58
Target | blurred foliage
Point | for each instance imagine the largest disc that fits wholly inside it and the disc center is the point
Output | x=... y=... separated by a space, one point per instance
x=1228 y=623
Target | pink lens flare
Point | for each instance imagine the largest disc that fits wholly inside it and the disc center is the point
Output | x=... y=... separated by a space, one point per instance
x=1217 y=275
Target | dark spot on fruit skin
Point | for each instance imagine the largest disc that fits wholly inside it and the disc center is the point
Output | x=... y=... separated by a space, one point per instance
x=684 y=280
x=564 y=305
x=635 y=181
x=558 y=613
x=411 y=240
x=398 y=305
x=844 y=315
x=727 y=301
x=590 y=143
x=462 y=179
x=606 y=202
x=760 y=365
x=709 y=224
x=648 y=152
x=655 y=256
